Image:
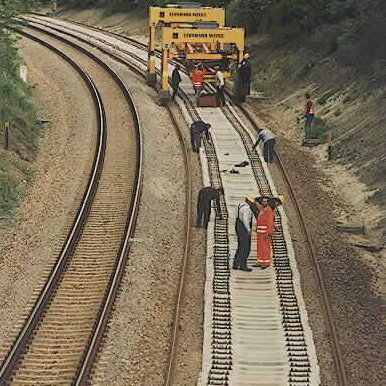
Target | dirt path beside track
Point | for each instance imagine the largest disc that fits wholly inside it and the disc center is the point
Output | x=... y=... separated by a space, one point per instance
x=353 y=277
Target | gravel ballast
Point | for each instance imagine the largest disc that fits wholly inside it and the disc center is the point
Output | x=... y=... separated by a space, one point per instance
x=31 y=245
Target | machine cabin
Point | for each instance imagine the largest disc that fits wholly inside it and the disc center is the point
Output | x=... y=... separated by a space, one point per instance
x=176 y=15
x=210 y=46
x=192 y=33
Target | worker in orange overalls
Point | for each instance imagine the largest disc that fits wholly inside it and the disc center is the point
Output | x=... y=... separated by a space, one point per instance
x=197 y=77
x=265 y=228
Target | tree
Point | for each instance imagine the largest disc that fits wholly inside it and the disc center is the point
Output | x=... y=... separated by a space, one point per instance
x=11 y=8
x=10 y=84
x=250 y=14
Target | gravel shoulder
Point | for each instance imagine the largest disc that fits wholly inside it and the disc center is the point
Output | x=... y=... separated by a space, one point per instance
x=137 y=344
x=352 y=277
x=30 y=246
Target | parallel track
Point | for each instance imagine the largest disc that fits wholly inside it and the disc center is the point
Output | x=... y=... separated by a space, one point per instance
x=81 y=281
x=339 y=362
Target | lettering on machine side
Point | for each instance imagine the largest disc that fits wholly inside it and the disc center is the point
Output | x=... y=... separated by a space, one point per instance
x=218 y=36
x=187 y=14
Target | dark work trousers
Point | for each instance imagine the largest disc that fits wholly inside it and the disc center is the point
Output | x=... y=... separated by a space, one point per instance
x=310 y=126
x=195 y=138
x=269 y=150
x=243 y=245
x=197 y=94
x=203 y=214
x=175 y=90
x=220 y=95
x=247 y=87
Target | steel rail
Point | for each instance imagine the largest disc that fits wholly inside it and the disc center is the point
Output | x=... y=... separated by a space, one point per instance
x=90 y=355
x=338 y=357
x=108 y=301
x=182 y=282
x=36 y=315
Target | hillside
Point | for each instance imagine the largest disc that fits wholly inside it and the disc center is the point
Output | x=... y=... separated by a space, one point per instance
x=349 y=105
x=335 y=50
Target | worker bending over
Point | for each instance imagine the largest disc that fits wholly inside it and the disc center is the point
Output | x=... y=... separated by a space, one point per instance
x=197 y=130
x=205 y=197
x=269 y=140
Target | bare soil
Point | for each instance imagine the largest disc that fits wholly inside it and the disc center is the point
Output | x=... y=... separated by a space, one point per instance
x=349 y=105
x=352 y=277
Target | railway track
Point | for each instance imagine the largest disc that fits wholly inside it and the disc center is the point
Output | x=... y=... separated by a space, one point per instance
x=58 y=341
x=222 y=366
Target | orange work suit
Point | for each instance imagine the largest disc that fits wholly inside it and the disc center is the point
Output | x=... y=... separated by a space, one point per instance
x=197 y=77
x=265 y=229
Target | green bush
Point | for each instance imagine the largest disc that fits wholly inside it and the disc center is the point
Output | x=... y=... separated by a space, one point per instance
x=17 y=108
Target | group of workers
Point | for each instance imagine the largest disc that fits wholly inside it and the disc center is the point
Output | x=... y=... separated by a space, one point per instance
x=200 y=129
x=197 y=77
x=262 y=209
x=244 y=73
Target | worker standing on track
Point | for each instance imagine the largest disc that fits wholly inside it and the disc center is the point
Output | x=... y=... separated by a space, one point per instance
x=244 y=217
x=269 y=140
x=220 y=85
x=176 y=80
x=309 y=113
x=205 y=197
x=197 y=77
x=245 y=74
x=197 y=130
x=265 y=228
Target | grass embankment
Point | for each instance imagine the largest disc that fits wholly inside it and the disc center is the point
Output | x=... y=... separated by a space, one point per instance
x=349 y=104
x=16 y=107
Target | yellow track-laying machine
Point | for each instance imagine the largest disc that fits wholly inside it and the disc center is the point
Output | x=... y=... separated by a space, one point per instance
x=190 y=33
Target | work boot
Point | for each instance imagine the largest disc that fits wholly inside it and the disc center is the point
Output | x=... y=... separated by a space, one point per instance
x=246 y=269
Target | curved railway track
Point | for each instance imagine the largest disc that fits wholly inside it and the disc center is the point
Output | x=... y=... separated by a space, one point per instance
x=216 y=181
x=59 y=339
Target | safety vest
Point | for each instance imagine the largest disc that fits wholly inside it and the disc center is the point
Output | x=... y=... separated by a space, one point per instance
x=197 y=78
